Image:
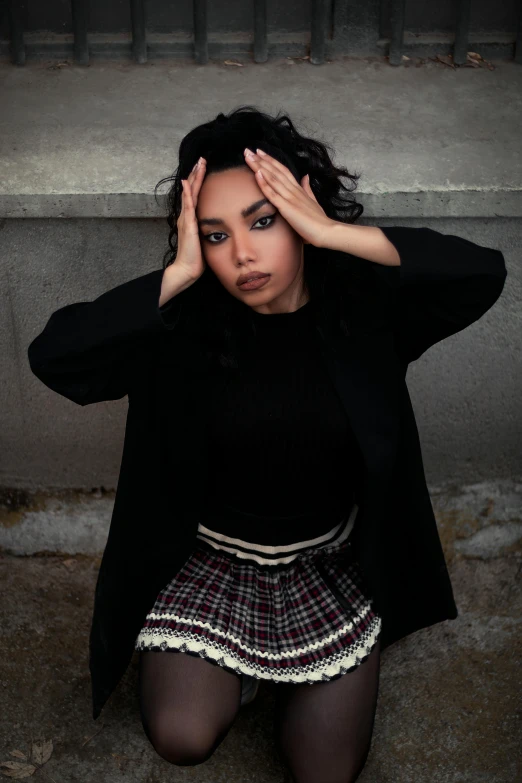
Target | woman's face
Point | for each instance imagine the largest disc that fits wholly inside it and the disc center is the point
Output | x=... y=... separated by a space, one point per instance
x=237 y=244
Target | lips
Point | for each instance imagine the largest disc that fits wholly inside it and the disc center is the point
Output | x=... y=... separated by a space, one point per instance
x=250 y=276
x=256 y=282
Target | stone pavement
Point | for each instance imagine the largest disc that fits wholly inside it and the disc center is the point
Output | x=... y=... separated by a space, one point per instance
x=449 y=700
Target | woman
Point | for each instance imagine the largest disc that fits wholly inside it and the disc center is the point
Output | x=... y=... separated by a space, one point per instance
x=286 y=533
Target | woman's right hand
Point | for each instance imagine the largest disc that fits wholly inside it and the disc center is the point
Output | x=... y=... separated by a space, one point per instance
x=190 y=255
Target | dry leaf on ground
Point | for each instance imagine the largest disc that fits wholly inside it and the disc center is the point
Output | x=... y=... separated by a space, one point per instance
x=42 y=751
x=17 y=769
x=446 y=59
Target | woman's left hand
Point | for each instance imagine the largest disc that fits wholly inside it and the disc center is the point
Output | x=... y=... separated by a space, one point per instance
x=296 y=203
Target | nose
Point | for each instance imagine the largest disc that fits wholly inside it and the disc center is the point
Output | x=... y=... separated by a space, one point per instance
x=244 y=251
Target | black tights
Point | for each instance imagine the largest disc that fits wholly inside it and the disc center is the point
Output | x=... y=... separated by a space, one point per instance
x=323 y=731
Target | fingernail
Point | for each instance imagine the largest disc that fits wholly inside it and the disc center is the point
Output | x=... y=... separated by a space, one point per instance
x=260 y=152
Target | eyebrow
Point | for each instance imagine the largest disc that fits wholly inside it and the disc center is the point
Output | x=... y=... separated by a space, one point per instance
x=244 y=213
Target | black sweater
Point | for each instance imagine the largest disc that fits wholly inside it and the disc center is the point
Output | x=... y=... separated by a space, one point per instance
x=282 y=458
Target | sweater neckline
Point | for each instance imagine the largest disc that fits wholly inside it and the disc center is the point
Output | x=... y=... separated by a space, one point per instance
x=282 y=320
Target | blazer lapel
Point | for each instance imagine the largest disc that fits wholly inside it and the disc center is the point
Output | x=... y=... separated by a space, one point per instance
x=367 y=377
x=365 y=373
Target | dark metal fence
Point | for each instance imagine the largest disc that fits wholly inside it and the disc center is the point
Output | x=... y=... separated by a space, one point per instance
x=318 y=44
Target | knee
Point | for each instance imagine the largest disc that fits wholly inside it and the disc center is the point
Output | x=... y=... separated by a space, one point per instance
x=182 y=744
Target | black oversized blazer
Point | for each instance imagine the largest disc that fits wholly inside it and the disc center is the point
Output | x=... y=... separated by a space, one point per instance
x=123 y=343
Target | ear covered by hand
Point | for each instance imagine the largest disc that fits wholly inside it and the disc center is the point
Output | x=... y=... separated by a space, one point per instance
x=305 y=184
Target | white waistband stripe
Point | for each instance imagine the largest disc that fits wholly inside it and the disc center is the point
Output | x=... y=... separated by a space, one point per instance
x=255 y=552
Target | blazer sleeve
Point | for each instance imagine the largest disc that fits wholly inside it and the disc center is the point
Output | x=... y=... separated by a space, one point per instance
x=443 y=284
x=87 y=351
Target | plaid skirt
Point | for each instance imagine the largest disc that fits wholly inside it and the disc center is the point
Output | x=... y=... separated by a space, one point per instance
x=297 y=613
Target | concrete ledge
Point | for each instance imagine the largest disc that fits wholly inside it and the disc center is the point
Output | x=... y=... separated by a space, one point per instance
x=428 y=141
x=435 y=204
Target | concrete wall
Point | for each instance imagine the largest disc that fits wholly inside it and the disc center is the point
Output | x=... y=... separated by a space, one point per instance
x=465 y=391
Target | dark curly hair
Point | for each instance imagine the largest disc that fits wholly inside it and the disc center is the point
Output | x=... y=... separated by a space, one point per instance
x=221 y=142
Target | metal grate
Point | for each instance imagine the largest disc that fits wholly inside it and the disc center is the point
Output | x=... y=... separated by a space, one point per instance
x=321 y=13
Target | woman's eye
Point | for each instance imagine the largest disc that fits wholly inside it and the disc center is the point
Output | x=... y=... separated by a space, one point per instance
x=266 y=217
x=271 y=218
x=207 y=237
